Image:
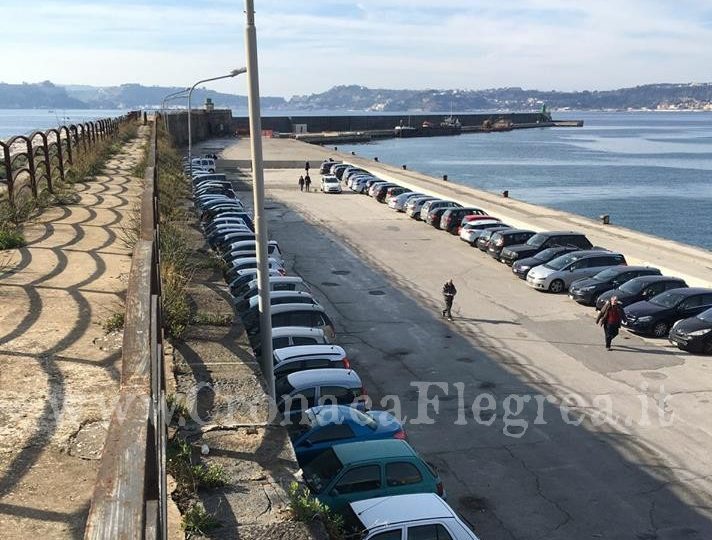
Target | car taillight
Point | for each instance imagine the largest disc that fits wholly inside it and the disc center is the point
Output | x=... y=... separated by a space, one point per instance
x=346 y=363
x=441 y=490
x=400 y=434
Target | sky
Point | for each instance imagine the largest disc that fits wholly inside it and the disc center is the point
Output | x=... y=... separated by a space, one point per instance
x=308 y=46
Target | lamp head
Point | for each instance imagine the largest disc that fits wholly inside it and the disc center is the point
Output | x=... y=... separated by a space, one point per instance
x=236 y=72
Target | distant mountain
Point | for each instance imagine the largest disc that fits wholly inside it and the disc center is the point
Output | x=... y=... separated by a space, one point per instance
x=691 y=96
x=696 y=96
x=44 y=95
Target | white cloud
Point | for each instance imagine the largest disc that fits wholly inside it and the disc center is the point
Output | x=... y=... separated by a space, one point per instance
x=308 y=46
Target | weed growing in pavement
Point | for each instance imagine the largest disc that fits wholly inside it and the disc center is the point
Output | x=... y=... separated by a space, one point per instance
x=198 y=522
x=114 y=322
x=176 y=409
x=191 y=476
x=212 y=319
x=130 y=229
x=10 y=237
x=305 y=507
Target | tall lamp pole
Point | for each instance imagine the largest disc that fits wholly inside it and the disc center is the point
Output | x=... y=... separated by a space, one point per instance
x=258 y=191
x=233 y=73
x=174 y=95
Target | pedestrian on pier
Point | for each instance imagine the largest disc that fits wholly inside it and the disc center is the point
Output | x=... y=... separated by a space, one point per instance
x=306 y=168
x=307 y=180
x=610 y=318
x=449 y=292
x=301 y=183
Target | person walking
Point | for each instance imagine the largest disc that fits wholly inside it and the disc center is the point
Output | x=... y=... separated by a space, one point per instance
x=306 y=168
x=449 y=292
x=301 y=183
x=610 y=318
x=307 y=181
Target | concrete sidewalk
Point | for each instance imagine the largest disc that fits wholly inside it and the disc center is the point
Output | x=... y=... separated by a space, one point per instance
x=60 y=371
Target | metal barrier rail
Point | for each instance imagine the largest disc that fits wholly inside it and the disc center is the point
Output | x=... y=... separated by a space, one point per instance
x=43 y=155
x=129 y=499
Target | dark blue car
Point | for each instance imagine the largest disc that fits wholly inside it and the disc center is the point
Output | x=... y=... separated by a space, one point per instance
x=327 y=425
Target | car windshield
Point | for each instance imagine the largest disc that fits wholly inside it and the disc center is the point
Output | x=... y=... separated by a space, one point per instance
x=667 y=299
x=706 y=316
x=319 y=473
x=606 y=275
x=561 y=262
x=537 y=240
x=634 y=286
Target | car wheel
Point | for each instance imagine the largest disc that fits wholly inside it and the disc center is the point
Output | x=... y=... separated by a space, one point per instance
x=660 y=329
x=707 y=349
x=556 y=286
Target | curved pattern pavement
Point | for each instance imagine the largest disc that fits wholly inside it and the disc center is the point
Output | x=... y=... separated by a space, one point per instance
x=60 y=372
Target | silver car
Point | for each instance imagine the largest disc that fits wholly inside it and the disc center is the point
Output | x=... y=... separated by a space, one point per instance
x=399 y=202
x=416 y=204
x=558 y=274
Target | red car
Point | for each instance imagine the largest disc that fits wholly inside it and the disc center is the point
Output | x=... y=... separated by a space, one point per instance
x=474 y=217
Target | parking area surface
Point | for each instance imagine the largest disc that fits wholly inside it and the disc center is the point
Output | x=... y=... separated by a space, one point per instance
x=628 y=458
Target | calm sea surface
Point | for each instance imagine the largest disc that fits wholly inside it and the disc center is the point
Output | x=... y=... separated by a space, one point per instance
x=650 y=171
x=25 y=121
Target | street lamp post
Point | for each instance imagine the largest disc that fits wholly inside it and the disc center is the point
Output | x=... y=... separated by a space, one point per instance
x=233 y=73
x=174 y=95
x=258 y=191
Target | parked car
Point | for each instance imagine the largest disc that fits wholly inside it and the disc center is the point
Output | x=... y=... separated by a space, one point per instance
x=303 y=390
x=558 y=274
x=313 y=316
x=508 y=237
x=656 y=316
x=327 y=425
x=338 y=170
x=276 y=283
x=393 y=191
x=586 y=290
x=482 y=241
x=376 y=187
x=352 y=171
x=432 y=205
x=418 y=516
x=295 y=336
x=521 y=267
x=398 y=203
x=355 y=471
x=382 y=190
x=470 y=231
x=273 y=250
x=330 y=184
x=245 y=277
x=235 y=266
x=306 y=357
x=693 y=334
x=325 y=167
x=541 y=241
x=641 y=288
x=277 y=298
x=358 y=183
x=435 y=215
x=416 y=204
x=451 y=220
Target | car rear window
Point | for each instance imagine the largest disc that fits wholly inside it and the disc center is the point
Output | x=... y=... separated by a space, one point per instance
x=402 y=473
x=319 y=473
x=365 y=478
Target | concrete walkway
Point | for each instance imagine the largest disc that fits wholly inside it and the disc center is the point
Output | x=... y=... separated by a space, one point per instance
x=60 y=371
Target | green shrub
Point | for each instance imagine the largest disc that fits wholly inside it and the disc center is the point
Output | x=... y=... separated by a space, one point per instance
x=10 y=237
x=305 y=507
x=197 y=521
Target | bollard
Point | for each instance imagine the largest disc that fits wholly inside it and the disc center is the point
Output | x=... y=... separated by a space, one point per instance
x=505 y=193
x=605 y=219
x=375 y=159
x=353 y=153
x=404 y=167
x=444 y=177
x=336 y=147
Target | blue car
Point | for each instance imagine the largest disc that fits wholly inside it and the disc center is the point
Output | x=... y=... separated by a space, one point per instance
x=327 y=425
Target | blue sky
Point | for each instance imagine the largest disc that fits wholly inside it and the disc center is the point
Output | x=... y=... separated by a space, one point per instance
x=310 y=45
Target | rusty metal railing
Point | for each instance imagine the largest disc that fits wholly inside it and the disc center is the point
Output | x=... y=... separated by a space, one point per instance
x=44 y=155
x=129 y=499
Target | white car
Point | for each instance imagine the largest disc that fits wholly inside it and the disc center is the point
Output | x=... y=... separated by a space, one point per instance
x=471 y=230
x=330 y=184
x=557 y=275
x=409 y=517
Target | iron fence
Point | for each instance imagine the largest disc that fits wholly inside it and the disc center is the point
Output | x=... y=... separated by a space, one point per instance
x=129 y=499
x=41 y=158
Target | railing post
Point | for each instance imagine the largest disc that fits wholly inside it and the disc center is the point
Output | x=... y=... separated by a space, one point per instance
x=31 y=166
x=8 y=174
x=48 y=165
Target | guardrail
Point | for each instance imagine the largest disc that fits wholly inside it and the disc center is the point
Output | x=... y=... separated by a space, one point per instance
x=129 y=499
x=43 y=155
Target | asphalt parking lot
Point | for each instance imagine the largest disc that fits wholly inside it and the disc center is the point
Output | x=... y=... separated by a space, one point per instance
x=538 y=431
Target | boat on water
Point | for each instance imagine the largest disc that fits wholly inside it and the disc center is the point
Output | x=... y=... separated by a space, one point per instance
x=448 y=126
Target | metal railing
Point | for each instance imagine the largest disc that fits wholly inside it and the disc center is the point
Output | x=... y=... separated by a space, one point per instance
x=43 y=155
x=129 y=499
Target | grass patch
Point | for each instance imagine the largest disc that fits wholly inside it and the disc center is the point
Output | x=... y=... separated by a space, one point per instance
x=114 y=322
x=10 y=237
x=190 y=476
x=198 y=522
x=176 y=408
x=305 y=507
x=212 y=319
